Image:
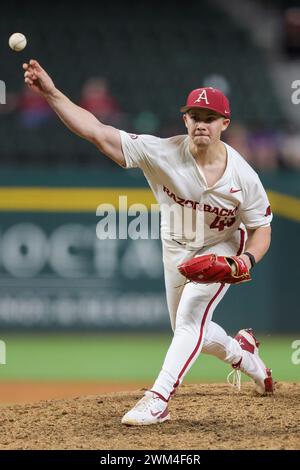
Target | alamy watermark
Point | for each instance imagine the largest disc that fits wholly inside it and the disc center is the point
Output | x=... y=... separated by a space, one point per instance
x=182 y=222
x=295 y=358
x=2 y=352
x=295 y=96
x=2 y=92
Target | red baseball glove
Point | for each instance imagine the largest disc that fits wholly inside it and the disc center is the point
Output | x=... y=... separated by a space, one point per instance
x=211 y=268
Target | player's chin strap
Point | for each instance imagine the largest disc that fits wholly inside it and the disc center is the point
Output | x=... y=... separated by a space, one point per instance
x=234 y=379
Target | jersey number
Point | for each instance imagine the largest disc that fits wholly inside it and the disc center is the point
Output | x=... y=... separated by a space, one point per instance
x=220 y=224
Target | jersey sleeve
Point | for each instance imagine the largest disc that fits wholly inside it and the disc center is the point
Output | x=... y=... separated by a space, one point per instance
x=139 y=150
x=256 y=210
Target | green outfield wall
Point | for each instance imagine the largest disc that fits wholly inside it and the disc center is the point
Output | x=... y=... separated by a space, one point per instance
x=56 y=274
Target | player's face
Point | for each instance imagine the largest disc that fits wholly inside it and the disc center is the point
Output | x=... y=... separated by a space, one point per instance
x=204 y=126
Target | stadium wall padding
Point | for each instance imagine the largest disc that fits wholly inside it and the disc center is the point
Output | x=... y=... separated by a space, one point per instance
x=56 y=274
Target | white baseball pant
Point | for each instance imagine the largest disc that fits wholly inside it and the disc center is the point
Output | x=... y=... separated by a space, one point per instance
x=191 y=307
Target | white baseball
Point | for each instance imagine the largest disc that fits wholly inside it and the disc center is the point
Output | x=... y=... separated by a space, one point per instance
x=17 y=42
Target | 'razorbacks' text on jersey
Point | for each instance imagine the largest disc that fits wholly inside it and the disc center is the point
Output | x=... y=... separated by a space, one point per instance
x=210 y=214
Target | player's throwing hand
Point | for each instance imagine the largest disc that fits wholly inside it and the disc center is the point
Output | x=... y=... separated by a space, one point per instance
x=37 y=78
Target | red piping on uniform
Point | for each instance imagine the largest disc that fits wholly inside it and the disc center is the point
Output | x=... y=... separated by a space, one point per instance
x=199 y=340
x=242 y=233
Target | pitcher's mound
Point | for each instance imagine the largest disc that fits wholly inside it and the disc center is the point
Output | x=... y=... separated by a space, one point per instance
x=204 y=416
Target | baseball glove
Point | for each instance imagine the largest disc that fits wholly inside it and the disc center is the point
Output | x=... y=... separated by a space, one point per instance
x=208 y=269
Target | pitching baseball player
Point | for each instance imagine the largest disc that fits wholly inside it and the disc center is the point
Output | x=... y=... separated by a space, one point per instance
x=218 y=208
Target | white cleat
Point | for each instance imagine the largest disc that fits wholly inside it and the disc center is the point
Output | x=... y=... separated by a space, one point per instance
x=151 y=409
x=251 y=364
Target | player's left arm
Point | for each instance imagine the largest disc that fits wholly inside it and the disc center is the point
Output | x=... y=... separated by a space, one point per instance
x=257 y=244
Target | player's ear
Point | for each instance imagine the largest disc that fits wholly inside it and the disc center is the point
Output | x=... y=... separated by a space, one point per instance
x=184 y=119
x=226 y=123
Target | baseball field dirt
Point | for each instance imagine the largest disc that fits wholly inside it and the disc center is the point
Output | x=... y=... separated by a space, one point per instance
x=204 y=416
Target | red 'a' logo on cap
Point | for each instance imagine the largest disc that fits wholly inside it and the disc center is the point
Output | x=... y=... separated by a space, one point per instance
x=268 y=211
x=202 y=96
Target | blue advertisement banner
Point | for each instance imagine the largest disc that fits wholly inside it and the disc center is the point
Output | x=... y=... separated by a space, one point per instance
x=56 y=273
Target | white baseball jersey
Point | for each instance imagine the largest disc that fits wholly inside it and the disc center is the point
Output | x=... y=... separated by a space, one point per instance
x=213 y=213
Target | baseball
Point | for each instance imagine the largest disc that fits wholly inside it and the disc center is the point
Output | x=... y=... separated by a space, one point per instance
x=17 y=42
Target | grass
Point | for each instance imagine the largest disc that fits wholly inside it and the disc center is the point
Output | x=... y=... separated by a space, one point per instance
x=121 y=357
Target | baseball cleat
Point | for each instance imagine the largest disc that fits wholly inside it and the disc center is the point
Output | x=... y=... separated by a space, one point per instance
x=251 y=364
x=151 y=409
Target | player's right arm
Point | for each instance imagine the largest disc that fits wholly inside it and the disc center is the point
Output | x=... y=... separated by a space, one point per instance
x=78 y=120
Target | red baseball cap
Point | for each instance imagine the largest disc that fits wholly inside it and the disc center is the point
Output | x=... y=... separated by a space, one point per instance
x=208 y=98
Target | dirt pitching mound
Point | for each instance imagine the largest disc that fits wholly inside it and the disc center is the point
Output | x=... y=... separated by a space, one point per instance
x=204 y=416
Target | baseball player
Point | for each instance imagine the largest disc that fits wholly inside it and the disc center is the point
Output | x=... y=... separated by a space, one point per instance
x=200 y=176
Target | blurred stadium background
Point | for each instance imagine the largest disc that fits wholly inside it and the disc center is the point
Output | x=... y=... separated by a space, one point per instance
x=89 y=314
